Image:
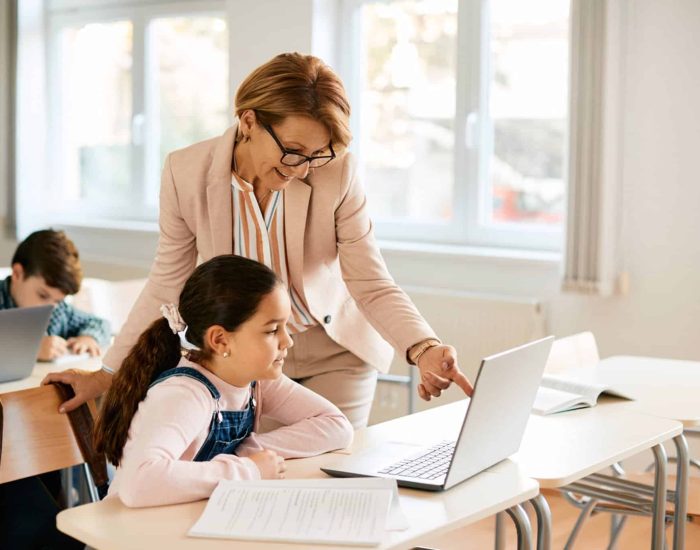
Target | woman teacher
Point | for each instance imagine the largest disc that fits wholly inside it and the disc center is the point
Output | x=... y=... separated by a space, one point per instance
x=279 y=187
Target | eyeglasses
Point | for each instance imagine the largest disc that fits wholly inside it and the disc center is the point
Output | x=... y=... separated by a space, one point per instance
x=291 y=158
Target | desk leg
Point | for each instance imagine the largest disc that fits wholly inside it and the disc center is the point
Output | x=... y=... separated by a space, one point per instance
x=522 y=527
x=499 y=543
x=544 y=522
x=681 y=503
x=659 y=503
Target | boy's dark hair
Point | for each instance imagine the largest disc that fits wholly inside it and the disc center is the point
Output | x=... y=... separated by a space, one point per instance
x=52 y=255
x=225 y=291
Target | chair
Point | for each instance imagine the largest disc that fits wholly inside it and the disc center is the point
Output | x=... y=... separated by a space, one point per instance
x=35 y=438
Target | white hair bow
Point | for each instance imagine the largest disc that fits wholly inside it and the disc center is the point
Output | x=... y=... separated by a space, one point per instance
x=177 y=325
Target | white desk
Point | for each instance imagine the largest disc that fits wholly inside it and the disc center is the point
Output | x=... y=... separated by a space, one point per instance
x=666 y=388
x=560 y=449
x=110 y=525
x=42 y=369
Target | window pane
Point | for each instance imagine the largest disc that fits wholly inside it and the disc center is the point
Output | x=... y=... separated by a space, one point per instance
x=191 y=85
x=408 y=70
x=528 y=111
x=95 y=114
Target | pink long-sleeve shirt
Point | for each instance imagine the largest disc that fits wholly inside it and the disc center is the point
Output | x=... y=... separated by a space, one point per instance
x=172 y=422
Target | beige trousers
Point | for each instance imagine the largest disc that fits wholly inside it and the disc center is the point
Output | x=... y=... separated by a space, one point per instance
x=320 y=364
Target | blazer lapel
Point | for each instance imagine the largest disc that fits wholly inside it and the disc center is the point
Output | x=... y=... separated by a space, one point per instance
x=219 y=198
x=296 y=206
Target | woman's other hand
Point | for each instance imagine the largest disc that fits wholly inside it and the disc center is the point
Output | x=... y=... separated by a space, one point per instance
x=86 y=385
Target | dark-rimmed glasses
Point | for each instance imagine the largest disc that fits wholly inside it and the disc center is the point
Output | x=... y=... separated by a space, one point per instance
x=291 y=158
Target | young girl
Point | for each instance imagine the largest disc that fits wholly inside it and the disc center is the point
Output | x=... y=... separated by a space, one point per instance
x=183 y=410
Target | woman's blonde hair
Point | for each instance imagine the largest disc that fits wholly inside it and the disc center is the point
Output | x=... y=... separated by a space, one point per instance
x=293 y=84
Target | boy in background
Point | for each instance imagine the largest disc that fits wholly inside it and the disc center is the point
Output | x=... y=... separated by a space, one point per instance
x=46 y=269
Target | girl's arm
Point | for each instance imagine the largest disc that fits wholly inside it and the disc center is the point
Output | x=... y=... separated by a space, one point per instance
x=170 y=423
x=312 y=424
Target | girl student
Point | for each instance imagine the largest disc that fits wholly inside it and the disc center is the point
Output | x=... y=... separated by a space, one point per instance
x=183 y=410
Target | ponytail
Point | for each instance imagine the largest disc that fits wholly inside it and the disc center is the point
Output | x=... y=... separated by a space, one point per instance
x=156 y=351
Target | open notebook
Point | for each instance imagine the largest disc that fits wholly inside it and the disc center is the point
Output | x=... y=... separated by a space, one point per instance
x=559 y=393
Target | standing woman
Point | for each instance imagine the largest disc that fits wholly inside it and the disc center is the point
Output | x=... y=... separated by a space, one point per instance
x=279 y=187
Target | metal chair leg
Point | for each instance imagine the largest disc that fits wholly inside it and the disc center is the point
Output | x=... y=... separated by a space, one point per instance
x=583 y=516
x=92 y=489
x=617 y=529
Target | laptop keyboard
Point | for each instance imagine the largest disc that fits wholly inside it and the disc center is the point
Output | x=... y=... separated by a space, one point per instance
x=430 y=465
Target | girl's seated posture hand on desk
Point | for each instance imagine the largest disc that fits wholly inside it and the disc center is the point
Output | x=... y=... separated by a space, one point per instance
x=183 y=410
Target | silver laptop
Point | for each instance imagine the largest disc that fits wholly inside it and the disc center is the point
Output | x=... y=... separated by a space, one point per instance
x=492 y=430
x=21 y=330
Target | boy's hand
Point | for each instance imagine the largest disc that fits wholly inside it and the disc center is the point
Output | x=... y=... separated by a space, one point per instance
x=270 y=464
x=52 y=347
x=86 y=385
x=83 y=344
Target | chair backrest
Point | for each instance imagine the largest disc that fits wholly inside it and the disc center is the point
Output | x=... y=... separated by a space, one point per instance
x=36 y=438
x=577 y=350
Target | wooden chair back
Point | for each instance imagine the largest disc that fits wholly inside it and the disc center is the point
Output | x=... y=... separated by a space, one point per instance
x=35 y=438
x=577 y=350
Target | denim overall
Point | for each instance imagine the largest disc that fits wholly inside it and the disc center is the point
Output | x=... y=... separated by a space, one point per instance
x=228 y=429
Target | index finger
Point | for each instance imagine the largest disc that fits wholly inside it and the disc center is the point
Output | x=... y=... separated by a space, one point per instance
x=463 y=382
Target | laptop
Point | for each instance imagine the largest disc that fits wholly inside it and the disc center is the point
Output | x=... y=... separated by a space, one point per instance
x=21 y=331
x=492 y=430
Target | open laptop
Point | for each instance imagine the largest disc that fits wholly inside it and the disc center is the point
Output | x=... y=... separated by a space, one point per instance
x=21 y=330
x=492 y=430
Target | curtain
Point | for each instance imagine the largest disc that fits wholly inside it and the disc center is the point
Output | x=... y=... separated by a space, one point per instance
x=593 y=256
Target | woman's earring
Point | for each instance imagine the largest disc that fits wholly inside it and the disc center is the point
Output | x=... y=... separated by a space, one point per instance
x=246 y=139
x=225 y=354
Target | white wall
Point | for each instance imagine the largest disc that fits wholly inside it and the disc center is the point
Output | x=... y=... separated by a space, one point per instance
x=661 y=225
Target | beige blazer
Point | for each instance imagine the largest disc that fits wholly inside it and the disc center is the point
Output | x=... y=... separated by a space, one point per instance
x=334 y=261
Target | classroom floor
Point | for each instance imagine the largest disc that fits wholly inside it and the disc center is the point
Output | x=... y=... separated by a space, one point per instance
x=594 y=535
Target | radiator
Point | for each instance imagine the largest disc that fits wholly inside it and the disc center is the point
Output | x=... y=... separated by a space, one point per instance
x=477 y=325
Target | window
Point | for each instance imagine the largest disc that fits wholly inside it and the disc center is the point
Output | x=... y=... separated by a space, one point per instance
x=128 y=85
x=461 y=117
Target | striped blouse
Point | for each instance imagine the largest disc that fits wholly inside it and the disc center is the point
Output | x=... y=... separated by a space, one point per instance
x=259 y=235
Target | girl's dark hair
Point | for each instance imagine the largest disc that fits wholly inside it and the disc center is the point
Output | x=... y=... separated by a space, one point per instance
x=225 y=291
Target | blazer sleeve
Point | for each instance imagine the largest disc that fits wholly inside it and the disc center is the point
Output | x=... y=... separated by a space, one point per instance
x=176 y=258
x=388 y=309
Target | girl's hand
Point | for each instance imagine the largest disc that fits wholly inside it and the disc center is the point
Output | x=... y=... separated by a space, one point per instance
x=270 y=464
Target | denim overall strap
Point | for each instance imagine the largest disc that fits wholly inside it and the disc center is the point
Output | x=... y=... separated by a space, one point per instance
x=227 y=429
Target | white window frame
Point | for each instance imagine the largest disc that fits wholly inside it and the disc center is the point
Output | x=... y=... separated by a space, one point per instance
x=471 y=137
x=146 y=158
